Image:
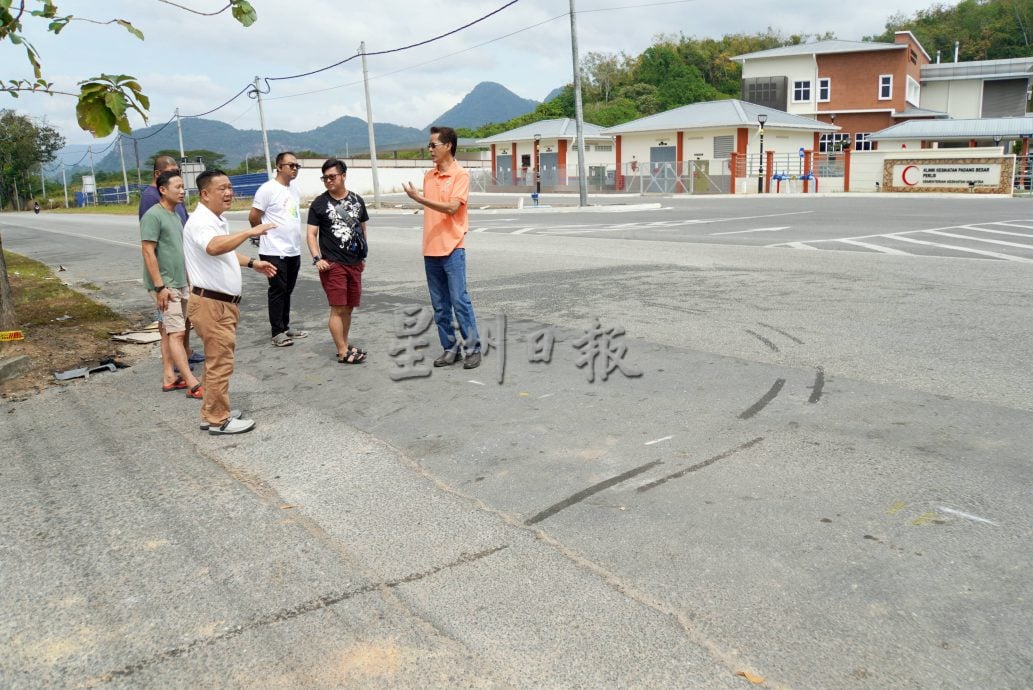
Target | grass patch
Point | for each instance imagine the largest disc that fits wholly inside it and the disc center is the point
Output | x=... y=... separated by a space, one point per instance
x=40 y=298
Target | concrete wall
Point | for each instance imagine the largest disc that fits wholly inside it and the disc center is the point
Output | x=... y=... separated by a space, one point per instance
x=866 y=168
x=961 y=99
x=795 y=68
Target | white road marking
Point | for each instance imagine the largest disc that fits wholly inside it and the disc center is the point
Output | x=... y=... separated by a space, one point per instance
x=521 y=231
x=88 y=237
x=1014 y=224
x=875 y=247
x=969 y=516
x=665 y=438
x=980 y=239
x=476 y=383
x=998 y=232
x=996 y=255
x=794 y=245
x=740 y=232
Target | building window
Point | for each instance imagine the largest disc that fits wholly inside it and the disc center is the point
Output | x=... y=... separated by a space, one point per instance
x=863 y=141
x=831 y=143
x=801 y=91
x=824 y=90
x=723 y=146
x=603 y=147
x=913 y=92
x=885 y=87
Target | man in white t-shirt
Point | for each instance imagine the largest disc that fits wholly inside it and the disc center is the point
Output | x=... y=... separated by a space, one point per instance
x=278 y=202
x=213 y=264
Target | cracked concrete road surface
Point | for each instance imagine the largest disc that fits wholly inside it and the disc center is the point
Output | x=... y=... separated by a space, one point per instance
x=807 y=469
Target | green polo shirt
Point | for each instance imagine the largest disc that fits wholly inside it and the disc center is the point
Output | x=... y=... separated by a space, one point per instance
x=166 y=229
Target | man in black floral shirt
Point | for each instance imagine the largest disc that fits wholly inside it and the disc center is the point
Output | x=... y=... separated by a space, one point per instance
x=337 y=240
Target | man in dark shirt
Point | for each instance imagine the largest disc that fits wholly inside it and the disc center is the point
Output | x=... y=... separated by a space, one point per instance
x=149 y=196
x=337 y=241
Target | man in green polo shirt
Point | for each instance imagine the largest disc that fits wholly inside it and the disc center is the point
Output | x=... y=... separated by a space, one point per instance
x=165 y=277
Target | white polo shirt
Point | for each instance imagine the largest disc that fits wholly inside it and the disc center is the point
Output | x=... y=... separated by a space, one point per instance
x=220 y=273
x=281 y=206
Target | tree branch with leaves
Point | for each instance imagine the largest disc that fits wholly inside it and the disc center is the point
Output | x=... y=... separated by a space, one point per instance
x=104 y=102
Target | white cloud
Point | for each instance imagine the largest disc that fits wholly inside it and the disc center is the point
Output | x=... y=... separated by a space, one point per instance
x=195 y=63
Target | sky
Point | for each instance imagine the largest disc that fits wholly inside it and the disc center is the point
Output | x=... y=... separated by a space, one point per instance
x=196 y=63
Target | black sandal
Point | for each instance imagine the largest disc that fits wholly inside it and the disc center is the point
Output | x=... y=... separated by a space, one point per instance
x=352 y=356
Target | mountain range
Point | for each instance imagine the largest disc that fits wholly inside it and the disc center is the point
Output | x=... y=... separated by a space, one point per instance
x=488 y=102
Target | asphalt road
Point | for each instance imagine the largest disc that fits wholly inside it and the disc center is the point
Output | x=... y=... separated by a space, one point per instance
x=810 y=466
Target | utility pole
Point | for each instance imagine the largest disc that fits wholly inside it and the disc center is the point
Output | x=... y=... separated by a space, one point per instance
x=136 y=150
x=125 y=180
x=92 y=172
x=182 y=159
x=42 y=180
x=64 y=181
x=265 y=137
x=369 y=125
x=579 y=114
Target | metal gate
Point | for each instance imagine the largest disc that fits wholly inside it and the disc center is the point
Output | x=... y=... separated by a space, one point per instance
x=663 y=174
x=504 y=170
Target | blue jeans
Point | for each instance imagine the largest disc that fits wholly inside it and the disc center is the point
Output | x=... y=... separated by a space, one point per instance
x=446 y=280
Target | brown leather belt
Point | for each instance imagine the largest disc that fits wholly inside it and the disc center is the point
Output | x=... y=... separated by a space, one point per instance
x=212 y=294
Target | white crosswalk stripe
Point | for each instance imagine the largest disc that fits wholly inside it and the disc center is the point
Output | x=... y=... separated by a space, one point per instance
x=925 y=238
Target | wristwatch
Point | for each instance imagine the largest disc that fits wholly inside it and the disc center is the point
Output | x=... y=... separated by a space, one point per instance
x=316 y=259
x=158 y=288
x=251 y=263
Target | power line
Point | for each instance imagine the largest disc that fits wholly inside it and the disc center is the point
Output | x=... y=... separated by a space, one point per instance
x=427 y=62
x=396 y=50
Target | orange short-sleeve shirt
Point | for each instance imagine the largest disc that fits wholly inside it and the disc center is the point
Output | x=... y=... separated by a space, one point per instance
x=443 y=233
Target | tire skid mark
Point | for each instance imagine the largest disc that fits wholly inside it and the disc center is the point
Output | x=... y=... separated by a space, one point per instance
x=585 y=493
x=320 y=602
x=700 y=465
x=764 y=340
x=819 y=385
x=779 y=330
x=764 y=400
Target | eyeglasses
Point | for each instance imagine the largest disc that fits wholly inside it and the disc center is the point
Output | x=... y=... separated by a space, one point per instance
x=292 y=166
x=434 y=144
x=329 y=178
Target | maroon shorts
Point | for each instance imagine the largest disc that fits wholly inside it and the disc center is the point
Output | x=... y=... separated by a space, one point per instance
x=342 y=284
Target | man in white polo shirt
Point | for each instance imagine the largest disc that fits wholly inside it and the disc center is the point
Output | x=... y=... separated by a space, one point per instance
x=213 y=263
x=278 y=202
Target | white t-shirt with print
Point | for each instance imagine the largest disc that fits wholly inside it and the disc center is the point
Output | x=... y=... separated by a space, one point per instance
x=281 y=206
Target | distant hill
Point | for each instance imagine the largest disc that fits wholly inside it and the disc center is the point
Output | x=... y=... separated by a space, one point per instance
x=488 y=102
x=343 y=135
x=554 y=93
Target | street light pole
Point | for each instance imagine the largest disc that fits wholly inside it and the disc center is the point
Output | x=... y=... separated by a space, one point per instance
x=762 y=118
x=537 y=165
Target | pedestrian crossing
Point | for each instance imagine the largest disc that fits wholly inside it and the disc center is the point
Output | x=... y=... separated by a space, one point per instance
x=999 y=240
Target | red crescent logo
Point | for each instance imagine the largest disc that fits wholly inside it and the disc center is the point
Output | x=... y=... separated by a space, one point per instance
x=903 y=175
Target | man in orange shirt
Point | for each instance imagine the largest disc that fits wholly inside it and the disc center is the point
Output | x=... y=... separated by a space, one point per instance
x=446 y=189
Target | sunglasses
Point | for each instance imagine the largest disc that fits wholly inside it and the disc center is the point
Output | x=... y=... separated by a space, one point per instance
x=329 y=178
x=434 y=144
x=292 y=166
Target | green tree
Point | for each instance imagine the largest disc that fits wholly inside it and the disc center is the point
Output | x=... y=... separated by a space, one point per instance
x=984 y=29
x=104 y=102
x=24 y=144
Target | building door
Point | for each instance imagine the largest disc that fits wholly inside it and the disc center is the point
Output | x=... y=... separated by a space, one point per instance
x=663 y=174
x=504 y=170
x=548 y=163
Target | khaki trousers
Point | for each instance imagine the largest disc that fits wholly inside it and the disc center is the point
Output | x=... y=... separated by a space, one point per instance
x=216 y=323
